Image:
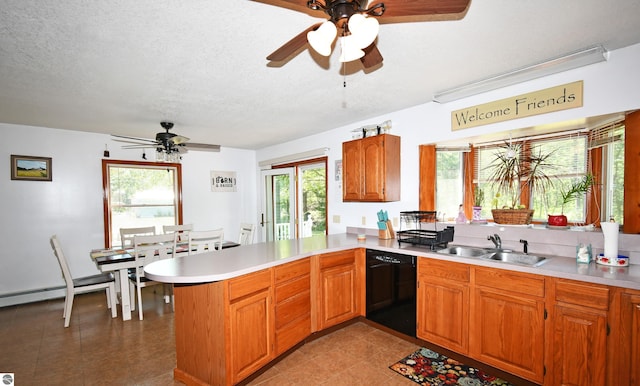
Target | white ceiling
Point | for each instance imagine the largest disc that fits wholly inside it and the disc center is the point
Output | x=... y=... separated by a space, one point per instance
x=122 y=66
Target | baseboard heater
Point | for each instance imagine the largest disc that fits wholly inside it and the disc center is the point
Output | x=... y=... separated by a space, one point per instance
x=32 y=295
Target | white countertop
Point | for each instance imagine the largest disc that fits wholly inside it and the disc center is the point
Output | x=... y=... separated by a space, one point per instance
x=232 y=262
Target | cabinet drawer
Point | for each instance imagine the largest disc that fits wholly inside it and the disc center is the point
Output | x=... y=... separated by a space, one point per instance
x=292 y=288
x=338 y=258
x=247 y=284
x=582 y=294
x=532 y=285
x=294 y=308
x=443 y=270
x=289 y=271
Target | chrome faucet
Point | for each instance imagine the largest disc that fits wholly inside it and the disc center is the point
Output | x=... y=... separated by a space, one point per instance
x=496 y=240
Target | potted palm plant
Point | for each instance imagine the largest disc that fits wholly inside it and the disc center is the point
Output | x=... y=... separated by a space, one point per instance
x=571 y=193
x=510 y=173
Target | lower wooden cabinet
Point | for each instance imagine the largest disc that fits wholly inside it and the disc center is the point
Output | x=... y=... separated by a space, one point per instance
x=577 y=349
x=443 y=304
x=338 y=288
x=624 y=341
x=292 y=284
x=507 y=325
x=250 y=328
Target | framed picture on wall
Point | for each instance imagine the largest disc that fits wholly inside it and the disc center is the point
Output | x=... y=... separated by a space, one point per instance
x=29 y=168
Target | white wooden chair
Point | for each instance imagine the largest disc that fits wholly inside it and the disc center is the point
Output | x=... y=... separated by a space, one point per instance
x=246 y=233
x=127 y=234
x=104 y=281
x=182 y=231
x=203 y=241
x=147 y=249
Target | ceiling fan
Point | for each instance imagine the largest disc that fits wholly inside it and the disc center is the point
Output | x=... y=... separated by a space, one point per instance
x=167 y=144
x=349 y=20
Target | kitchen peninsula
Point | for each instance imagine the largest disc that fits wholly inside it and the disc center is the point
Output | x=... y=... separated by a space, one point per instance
x=240 y=308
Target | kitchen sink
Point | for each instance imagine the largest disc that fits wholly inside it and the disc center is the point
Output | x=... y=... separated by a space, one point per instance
x=503 y=255
x=464 y=251
x=516 y=258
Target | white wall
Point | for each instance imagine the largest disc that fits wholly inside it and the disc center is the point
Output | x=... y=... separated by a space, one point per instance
x=71 y=205
x=609 y=87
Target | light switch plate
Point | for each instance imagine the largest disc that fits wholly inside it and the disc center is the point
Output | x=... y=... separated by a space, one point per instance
x=336 y=219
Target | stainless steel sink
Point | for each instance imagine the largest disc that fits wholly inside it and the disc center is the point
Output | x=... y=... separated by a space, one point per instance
x=464 y=251
x=517 y=258
x=503 y=255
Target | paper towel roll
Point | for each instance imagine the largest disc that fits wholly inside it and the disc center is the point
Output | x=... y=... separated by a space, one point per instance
x=610 y=232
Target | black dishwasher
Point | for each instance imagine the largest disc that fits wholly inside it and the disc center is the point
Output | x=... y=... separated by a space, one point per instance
x=391 y=290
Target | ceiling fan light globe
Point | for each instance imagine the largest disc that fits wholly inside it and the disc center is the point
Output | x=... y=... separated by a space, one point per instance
x=364 y=29
x=322 y=38
x=349 y=51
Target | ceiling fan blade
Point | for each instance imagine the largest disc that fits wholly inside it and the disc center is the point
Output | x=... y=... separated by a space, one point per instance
x=423 y=10
x=202 y=147
x=179 y=139
x=372 y=56
x=134 y=138
x=296 y=5
x=293 y=45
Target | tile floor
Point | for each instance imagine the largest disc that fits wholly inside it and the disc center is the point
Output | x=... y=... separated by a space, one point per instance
x=98 y=350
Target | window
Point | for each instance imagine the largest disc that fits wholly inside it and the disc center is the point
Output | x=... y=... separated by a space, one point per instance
x=449 y=182
x=140 y=194
x=570 y=160
x=610 y=141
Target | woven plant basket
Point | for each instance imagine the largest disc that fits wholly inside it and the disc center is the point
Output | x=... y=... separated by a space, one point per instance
x=512 y=216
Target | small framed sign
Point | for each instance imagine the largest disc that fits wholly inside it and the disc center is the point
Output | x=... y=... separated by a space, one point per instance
x=29 y=168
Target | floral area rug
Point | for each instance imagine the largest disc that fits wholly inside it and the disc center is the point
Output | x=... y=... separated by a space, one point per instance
x=427 y=367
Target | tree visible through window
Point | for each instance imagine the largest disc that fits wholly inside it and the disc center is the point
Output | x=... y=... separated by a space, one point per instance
x=140 y=195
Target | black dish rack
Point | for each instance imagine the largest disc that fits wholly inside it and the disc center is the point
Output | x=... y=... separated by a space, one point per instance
x=416 y=234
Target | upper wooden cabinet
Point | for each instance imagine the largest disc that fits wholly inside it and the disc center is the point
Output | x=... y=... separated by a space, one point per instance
x=371 y=169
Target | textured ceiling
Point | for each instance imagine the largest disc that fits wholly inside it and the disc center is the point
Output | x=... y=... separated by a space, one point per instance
x=122 y=66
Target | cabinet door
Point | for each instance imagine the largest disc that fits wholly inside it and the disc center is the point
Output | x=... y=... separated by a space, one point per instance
x=443 y=304
x=580 y=338
x=250 y=334
x=508 y=332
x=351 y=171
x=373 y=168
x=625 y=370
x=443 y=313
x=338 y=297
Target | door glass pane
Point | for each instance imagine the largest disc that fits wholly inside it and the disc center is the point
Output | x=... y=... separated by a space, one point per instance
x=313 y=200
x=281 y=206
x=141 y=197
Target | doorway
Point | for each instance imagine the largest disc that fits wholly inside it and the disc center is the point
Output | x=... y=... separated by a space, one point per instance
x=294 y=202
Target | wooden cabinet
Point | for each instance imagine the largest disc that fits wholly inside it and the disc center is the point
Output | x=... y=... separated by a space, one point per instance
x=624 y=342
x=578 y=338
x=371 y=169
x=507 y=321
x=292 y=304
x=338 y=289
x=250 y=328
x=224 y=330
x=443 y=304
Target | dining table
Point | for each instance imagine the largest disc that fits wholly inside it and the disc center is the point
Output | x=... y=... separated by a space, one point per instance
x=120 y=261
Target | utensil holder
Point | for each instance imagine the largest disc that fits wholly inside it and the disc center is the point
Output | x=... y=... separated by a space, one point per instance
x=385 y=234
